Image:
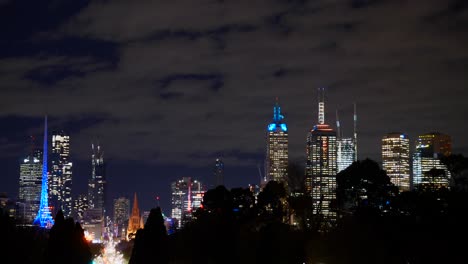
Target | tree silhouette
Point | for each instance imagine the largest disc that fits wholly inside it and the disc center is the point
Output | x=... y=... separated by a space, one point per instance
x=151 y=242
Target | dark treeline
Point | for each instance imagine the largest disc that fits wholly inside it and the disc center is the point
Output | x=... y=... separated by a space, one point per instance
x=375 y=224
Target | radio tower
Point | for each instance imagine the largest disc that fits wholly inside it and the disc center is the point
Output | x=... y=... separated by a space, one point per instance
x=44 y=218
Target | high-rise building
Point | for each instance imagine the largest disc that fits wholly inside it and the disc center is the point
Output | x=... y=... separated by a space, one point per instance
x=346 y=146
x=30 y=184
x=219 y=172
x=80 y=205
x=187 y=196
x=321 y=167
x=121 y=216
x=276 y=162
x=44 y=217
x=430 y=148
x=396 y=159
x=97 y=183
x=61 y=174
x=134 y=222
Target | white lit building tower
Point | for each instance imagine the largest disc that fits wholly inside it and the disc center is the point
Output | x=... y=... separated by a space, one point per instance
x=346 y=146
x=321 y=167
x=396 y=159
x=430 y=148
x=277 y=148
x=187 y=196
x=60 y=182
x=30 y=185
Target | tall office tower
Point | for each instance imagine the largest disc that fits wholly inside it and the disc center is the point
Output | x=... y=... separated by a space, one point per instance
x=276 y=162
x=30 y=181
x=134 y=222
x=80 y=205
x=430 y=148
x=346 y=147
x=187 y=196
x=121 y=216
x=219 y=172
x=97 y=183
x=396 y=159
x=44 y=217
x=61 y=174
x=321 y=167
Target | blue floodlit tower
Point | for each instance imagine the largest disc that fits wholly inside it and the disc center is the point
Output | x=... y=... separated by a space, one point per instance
x=44 y=218
x=277 y=148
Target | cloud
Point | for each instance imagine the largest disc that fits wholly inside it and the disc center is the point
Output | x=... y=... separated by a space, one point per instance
x=182 y=82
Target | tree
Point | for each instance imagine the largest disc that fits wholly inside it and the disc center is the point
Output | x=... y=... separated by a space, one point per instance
x=363 y=184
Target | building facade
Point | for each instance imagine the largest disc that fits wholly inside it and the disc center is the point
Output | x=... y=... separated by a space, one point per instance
x=321 y=167
x=60 y=182
x=276 y=162
x=429 y=150
x=218 y=173
x=97 y=183
x=121 y=216
x=80 y=205
x=134 y=222
x=396 y=159
x=345 y=153
x=187 y=196
x=30 y=184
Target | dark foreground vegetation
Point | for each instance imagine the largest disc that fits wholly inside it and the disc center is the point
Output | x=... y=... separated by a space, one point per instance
x=375 y=224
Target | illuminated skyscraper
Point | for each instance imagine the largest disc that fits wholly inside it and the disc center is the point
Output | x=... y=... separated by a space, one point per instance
x=30 y=184
x=61 y=174
x=321 y=166
x=187 y=196
x=121 y=215
x=396 y=159
x=80 y=205
x=277 y=148
x=346 y=147
x=97 y=183
x=219 y=172
x=430 y=148
x=44 y=217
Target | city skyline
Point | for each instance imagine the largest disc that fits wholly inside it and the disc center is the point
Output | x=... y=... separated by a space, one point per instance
x=208 y=72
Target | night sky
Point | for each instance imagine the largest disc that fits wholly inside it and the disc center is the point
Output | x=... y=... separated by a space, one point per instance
x=166 y=87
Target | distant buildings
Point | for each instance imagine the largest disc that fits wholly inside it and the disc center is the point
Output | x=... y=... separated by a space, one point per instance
x=187 y=195
x=60 y=182
x=276 y=162
x=321 y=166
x=121 y=216
x=396 y=159
x=430 y=148
x=97 y=183
x=218 y=172
x=80 y=205
x=30 y=184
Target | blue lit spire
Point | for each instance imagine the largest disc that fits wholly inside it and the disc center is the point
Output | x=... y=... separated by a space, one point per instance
x=277 y=118
x=44 y=218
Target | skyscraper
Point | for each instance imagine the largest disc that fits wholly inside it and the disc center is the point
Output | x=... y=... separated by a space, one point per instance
x=61 y=174
x=187 y=196
x=277 y=148
x=44 y=218
x=30 y=184
x=121 y=216
x=430 y=148
x=321 y=166
x=80 y=205
x=396 y=159
x=97 y=183
x=219 y=172
x=346 y=146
